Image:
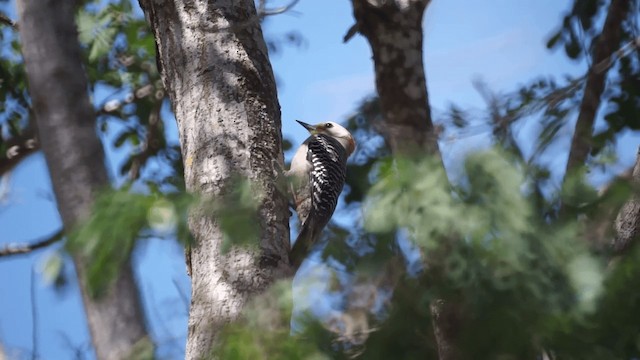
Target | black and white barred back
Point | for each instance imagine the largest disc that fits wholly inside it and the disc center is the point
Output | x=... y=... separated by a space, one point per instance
x=326 y=180
x=328 y=158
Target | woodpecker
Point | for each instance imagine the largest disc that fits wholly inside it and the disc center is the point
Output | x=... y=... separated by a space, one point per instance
x=317 y=175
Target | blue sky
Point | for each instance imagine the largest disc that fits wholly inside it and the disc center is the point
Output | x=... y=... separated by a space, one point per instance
x=500 y=41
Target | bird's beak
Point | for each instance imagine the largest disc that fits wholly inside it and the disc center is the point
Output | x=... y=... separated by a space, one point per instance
x=311 y=128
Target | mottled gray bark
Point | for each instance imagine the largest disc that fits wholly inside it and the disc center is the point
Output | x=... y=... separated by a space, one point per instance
x=394 y=31
x=627 y=224
x=74 y=155
x=607 y=43
x=216 y=70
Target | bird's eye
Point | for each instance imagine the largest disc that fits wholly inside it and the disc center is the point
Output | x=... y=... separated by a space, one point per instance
x=328 y=125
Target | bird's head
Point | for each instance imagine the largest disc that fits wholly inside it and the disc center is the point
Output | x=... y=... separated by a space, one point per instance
x=334 y=130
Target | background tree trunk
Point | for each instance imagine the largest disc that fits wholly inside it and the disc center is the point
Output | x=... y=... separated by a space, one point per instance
x=394 y=31
x=606 y=44
x=74 y=155
x=216 y=70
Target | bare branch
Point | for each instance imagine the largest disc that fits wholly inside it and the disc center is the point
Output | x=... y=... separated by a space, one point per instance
x=151 y=144
x=21 y=249
x=34 y=316
x=625 y=50
x=261 y=12
x=18 y=149
x=4 y=19
x=353 y=30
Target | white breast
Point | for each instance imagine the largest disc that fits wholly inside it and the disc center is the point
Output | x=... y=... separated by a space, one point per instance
x=300 y=167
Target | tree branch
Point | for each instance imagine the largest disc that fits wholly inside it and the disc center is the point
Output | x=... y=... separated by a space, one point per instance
x=17 y=149
x=34 y=313
x=21 y=249
x=604 y=48
x=261 y=12
x=4 y=19
x=151 y=144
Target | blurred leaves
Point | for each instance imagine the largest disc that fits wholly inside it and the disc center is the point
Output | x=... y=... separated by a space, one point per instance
x=121 y=217
x=97 y=30
x=492 y=242
x=580 y=30
x=520 y=279
x=105 y=241
x=15 y=112
x=237 y=214
x=263 y=331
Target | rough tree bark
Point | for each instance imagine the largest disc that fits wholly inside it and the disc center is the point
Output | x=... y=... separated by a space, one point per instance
x=606 y=44
x=74 y=155
x=627 y=224
x=216 y=70
x=394 y=31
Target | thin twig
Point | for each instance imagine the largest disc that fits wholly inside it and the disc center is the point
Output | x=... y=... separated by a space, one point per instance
x=34 y=316
x=261 y=13
x=20 y=249
x=625 y=50
x=5 y=186
x=151 y=144
x=283 y=9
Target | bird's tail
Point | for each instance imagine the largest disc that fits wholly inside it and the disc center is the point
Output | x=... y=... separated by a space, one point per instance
x=303 y=244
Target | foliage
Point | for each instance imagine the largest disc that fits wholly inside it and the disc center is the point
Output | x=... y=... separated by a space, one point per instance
x=121 y=217
x=105 y=241
x=525 y=276
x=494 y=242
x=578 y=35
x=269 y=315
x=525 y=283
x=14 y=98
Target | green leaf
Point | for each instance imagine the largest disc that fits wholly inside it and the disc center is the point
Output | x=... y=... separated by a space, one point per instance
x=237 y=214
x=52 y=267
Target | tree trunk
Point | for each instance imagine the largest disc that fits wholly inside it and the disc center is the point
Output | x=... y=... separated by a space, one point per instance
x=627 y=224
x=394 y=31
x=74 y=155
x=216 y=70
x=606 y=44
